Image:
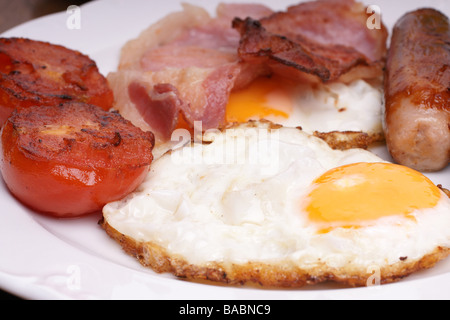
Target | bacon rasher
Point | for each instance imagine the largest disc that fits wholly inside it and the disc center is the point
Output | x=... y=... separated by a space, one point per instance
x=185 y=65
x=328 y=39
x=183 y=68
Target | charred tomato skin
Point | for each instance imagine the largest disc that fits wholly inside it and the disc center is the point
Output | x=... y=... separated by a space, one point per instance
x=40 y=73
x=70 y=160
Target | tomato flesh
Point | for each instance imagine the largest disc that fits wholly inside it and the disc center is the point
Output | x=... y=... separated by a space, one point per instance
x=70 y=160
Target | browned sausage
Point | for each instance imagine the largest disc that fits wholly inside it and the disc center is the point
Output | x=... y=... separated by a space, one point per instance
x=417 y=97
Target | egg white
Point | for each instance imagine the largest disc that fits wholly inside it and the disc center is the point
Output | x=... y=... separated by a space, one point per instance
x=206 y=210
x=356 y=106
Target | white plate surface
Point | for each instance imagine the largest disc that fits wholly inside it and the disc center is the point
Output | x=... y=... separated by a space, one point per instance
x=44 y=258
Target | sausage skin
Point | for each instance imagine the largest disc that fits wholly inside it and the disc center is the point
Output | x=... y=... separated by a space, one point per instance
x=417 y=85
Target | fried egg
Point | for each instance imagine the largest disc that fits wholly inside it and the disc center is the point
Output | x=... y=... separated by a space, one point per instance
x=279 y=207
x=324 y=108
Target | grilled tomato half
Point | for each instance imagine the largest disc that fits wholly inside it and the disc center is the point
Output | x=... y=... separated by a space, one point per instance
x=71 y=159
x=40 y=73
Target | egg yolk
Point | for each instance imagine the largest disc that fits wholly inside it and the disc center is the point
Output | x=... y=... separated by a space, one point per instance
x=350 y=195
x=264 y=98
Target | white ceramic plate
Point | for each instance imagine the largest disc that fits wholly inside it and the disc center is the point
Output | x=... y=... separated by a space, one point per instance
x=44 y=258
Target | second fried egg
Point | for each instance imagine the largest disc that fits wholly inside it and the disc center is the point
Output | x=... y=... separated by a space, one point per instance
x=324 y=108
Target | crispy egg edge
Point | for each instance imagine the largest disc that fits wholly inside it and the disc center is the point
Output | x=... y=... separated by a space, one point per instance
x=282 y=274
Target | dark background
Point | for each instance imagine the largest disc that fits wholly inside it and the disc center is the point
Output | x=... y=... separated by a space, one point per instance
x=13 y=13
